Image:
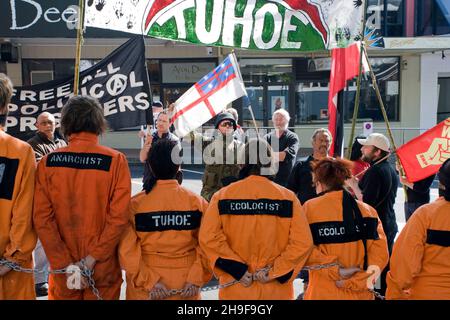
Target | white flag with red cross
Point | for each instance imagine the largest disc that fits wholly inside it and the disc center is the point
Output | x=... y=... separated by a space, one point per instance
x=208 y=97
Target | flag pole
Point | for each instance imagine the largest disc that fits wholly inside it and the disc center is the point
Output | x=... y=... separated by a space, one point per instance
x=253 y=118
x=233 y=52
x=386 y=120
x=358 y=82
x=78 y=49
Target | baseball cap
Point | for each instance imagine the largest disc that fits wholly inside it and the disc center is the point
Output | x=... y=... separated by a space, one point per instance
x=377 y=140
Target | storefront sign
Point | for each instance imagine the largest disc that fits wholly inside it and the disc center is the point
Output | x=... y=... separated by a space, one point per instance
x=185 y=72
x=45 y=19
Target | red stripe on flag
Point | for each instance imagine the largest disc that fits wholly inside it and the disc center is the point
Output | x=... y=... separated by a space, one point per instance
x=201 y=99
x=344 y=66
x=208 y=104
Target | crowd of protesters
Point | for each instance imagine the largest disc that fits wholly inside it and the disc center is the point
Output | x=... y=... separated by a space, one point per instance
x=256 y=226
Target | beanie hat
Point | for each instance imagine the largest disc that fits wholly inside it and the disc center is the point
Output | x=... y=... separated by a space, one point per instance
x=224 y=116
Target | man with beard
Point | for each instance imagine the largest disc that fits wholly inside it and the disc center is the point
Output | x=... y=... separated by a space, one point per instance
x=300 y=179
x=378 y=187
x=285 y=144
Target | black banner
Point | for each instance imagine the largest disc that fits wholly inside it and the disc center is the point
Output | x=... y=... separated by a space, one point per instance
x=119 y=82
x=46 y=19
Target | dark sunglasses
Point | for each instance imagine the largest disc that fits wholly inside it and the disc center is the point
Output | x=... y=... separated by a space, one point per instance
x=226 y=124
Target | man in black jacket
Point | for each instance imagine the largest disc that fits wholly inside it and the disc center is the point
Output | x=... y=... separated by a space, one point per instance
x=300 y=179
x=285 y=145
x=378 y=187
x=45 y=139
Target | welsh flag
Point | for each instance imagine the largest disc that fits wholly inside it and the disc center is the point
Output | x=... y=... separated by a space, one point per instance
x=300 y=25
x=208 y=97
x=423 y=156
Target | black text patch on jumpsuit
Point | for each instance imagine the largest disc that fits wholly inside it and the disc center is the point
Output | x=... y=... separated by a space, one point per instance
x=336 y=232
x=8 y=172
x=438 y=237
x=280 y=208
x=74 y=160
x=167 y=220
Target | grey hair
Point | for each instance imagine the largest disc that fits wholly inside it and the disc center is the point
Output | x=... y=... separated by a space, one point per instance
x=321 y=130
x=282 y=112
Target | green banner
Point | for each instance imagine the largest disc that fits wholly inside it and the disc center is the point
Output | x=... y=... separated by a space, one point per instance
x=298 y=25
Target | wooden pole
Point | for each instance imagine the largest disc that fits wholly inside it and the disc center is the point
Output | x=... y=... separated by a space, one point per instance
x=79 y=44
x=253 y=118
x=386 y=120
x=358 y=84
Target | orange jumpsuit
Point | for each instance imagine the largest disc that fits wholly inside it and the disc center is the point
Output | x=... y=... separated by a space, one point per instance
x=420 y=262
x=81 y=208
x=17 y=237
x=254 y=223
x=161 y=242
x=334 y=243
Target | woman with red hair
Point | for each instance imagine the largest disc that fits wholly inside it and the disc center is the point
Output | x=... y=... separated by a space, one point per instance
x=346 y=232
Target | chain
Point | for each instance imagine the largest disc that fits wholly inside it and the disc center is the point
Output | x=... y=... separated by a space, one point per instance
x=320 y=266
x=89 y=275
x=15 y=267
x=84 y=272
x=333 y=264
x=377 y=294
x=216 y=287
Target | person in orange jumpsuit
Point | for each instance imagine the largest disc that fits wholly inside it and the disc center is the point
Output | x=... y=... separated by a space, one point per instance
x=160 y=250
x=420 y=262
x=81 y=203
x=255 y=232
x=345 y=231
x=17 y=237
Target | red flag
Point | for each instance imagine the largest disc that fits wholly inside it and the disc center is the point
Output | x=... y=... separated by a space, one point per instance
x=344 y=66
x=423 y=156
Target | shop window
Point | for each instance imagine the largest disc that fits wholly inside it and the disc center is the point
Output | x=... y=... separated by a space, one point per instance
x=432 y=17
x=387 y=16
x=311 y=96
x=444 y=96
x=266 y=70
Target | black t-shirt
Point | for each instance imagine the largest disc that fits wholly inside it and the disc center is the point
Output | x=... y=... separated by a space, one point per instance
x=289 y=143
x=300 y=180
x=379 y=188
x=420 y=193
